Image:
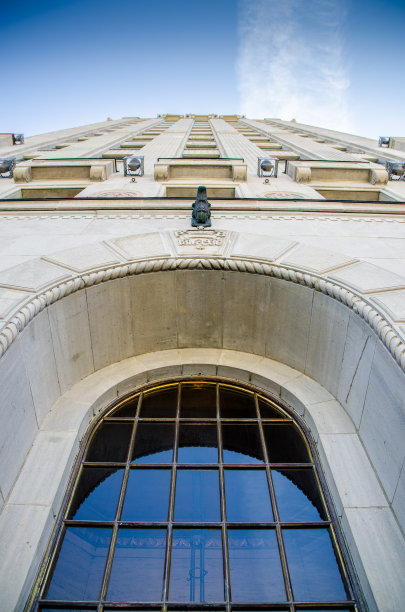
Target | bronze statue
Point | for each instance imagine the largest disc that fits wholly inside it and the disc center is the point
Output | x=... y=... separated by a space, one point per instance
x=201 y=215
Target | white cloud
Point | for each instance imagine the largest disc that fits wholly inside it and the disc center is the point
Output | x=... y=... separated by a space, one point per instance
x=290 y=61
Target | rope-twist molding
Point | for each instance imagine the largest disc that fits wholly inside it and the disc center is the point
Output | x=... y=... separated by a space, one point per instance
x=377 y=322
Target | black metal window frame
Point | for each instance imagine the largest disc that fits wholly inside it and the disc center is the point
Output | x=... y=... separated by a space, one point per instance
x=354 y=600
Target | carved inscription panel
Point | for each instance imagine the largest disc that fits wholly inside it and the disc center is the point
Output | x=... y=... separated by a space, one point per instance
x=207 y=241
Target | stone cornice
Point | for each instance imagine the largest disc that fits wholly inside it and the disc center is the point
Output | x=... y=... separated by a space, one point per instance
x=377 y=216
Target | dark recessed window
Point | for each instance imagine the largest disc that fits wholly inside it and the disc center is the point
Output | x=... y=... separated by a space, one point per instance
x=194 y=495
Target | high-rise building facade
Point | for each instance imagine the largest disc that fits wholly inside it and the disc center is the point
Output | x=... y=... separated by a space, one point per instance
x=202 y=338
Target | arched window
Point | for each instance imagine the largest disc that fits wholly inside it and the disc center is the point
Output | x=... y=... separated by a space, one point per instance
x=196 y=495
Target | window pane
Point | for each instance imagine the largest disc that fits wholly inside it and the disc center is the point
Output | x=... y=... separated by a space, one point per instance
x=160 y=403
x=198 y=401
x=297 y=496
x=285 y=444
x=80 y=566
x=235 y=404
x=128 y=409
x=268 y=411
x=247 y=496
x=196 y=572
x=255 y=565
x=65 y=609
x=198 y=444
x=314 y=571
x=153 y=443
x=138 y=564
x=43 y=609
x=197 y=496
x=241 y=444
x=147 y=496
x=110 y=443
x=97 y=494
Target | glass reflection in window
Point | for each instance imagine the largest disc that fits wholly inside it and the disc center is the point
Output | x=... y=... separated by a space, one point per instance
x=97 y=494
x=314 y=571
x=80 y=566
x=147 y=496
x=151 y=530
x=297 y=495
x=138 y=564
x=197 y=496
x=196 y=572
x=247 y=496
x=153 y=443
x=197 y=444
x=255 y=566
x=241 y=444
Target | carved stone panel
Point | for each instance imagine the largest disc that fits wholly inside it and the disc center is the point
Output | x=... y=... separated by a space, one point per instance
x=201 y=241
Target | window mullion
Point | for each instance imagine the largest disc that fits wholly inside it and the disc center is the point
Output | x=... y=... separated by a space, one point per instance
x=223 y=507
x=110 y=556
x=169 y=535
x=287 y=579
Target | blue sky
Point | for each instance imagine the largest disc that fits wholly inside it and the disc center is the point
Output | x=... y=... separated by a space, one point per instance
x=335 y=63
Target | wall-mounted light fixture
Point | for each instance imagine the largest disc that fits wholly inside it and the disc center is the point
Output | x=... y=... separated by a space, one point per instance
x=267 y=166
x=133 y=165
x=7 y=165
x=396 y=170
x=384 y=141
x=18 y=139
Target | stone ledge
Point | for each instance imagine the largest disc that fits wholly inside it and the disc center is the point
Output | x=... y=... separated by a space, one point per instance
x=60 y=170
x=321 y=172
x=204 y=169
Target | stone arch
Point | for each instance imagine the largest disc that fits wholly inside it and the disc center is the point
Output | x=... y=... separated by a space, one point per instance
x=69 y=338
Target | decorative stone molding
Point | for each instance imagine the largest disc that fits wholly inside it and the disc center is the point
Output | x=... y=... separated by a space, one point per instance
x=22 y=174
x=359 y=305
x=289 y=195
x=239 y=172
x=262 y=214
x=115 y=194
x=161 y=172
x=379 y=177
x=302 y=175
x=98 y=173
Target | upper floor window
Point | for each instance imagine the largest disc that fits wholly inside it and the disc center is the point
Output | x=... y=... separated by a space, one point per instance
x=194 y=495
